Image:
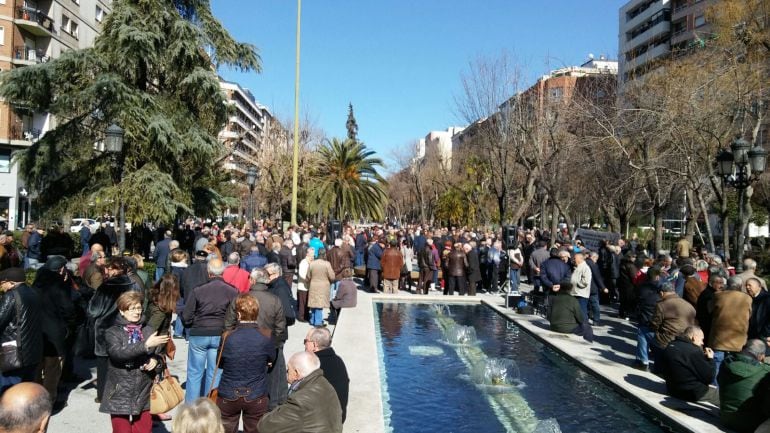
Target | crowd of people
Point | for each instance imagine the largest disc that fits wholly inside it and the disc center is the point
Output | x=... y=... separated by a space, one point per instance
x=230 y=292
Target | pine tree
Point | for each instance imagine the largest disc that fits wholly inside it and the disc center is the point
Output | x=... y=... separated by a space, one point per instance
x=150 y=72
x=351 y=124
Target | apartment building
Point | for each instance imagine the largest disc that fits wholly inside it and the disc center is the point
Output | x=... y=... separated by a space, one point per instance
x=438 y=145
x=644 y=37
x=251 y=130
x=32 y=32
x=689 y=27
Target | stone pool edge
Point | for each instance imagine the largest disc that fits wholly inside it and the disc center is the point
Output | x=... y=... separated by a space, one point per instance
x=610 y=375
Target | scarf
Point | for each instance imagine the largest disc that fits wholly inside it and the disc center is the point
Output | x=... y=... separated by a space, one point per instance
x=134 y=331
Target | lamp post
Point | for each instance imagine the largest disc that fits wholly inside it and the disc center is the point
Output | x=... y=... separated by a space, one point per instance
x=113 y=144
x=251 y=180
x=739 y=168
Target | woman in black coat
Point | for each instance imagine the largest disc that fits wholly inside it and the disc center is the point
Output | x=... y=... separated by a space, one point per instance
x=102 y=312
x=131 y=348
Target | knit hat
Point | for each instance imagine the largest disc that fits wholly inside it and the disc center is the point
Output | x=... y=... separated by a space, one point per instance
x=54 y=263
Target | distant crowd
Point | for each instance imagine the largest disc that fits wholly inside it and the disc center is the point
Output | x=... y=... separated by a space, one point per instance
x=234 y=292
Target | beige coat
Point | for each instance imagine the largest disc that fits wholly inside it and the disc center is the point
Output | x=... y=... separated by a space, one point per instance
x=730 y=321
x=320 y=275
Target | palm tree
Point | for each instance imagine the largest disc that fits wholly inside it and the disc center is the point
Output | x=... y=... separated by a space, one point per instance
x=346 y=182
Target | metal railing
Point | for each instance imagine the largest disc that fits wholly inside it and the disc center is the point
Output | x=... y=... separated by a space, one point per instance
x=25 y=53
x=25 y=13
x=28 y=134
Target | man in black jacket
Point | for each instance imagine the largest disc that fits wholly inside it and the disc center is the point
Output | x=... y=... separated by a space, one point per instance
x=597 y=288
x=648 y=295
x=277 y=286
x=318 y=341
x=689 y=368
x=20 y=321
x=288 y=261
x=204 y=315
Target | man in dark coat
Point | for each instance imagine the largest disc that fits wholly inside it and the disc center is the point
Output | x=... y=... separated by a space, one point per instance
x=288 y=261
x=705 y=305
x=648 y=296
x=277 y=286
x=101 y=238
x=20 y=321
x=54 y=287
x=254 y=260
x=474 y=269
x=689 y=368
x=555 y=269
x=312 y=405
x=162 y=250
x=318 y=341
x=597 y=288
x=373 y=266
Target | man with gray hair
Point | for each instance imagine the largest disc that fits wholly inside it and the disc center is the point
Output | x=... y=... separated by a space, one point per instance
x=25 y=408
x=319 y=341
x=672 y=316
x=272 y=317
x=744 y=388
x=730 y=314
x=688 y=367
x=204 y=316
x=705 y=305
x=312 y=404
x=750 y=271
x=234 y=275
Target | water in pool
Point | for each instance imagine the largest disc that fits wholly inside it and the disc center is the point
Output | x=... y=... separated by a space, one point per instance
x=464 y=368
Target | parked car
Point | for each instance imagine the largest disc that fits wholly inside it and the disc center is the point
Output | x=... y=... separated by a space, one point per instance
x=77 y=222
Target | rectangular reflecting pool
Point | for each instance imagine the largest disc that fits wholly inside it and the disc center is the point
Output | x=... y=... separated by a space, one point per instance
x=465 y=368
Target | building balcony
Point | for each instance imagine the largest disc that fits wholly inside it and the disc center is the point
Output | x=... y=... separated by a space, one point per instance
x=34 y=21
x=651 y=54
x=255 y=119
x=24 y=135
x=644 y=16
x=23 y=55
x=644 y=38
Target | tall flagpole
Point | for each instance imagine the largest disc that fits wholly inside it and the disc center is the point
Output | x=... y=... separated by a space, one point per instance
x=295 y=163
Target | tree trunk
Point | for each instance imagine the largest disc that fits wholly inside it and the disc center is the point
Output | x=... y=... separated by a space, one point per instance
x=704 y=212
x=554 y=221
x=657 y=214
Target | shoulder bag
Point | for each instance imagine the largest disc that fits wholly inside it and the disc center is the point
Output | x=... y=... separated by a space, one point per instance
x=166 y=393
x=214 y=392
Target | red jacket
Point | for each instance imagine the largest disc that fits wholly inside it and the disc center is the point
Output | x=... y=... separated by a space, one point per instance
x=237 y=277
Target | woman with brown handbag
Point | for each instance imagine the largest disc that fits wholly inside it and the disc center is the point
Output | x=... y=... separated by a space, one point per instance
x=163 y=297
x=132 y=364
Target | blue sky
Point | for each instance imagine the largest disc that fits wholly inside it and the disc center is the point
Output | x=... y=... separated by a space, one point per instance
x=399 y=62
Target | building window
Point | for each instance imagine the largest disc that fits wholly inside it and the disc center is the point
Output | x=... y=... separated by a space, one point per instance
x=700 y=20
x=5 y=160
x=2 y=35
x=99 y=14
x=74 y=29
x=555 y=93
x=65 y=23
x=77 y=2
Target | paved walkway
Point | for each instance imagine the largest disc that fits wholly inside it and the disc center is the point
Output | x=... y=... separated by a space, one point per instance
x=355 y=341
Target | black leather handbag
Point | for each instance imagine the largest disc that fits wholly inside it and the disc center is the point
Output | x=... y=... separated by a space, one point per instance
x=9 y=357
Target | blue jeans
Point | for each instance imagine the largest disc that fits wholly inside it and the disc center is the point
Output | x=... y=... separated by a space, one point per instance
x=645 y=338
x=719 y=357
x=514 y=276
x=536 y=283
x=179 y=327
x=159 y=272
x=201 y=358
x=359 y=258
x=593 y=304
x=435 y=279
x=335 y=286
x=316 y=316
x=583 y=302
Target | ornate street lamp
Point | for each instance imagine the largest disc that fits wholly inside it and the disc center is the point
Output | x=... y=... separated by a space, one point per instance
x=251 y=179
x=739 y=169
x=113 y=144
